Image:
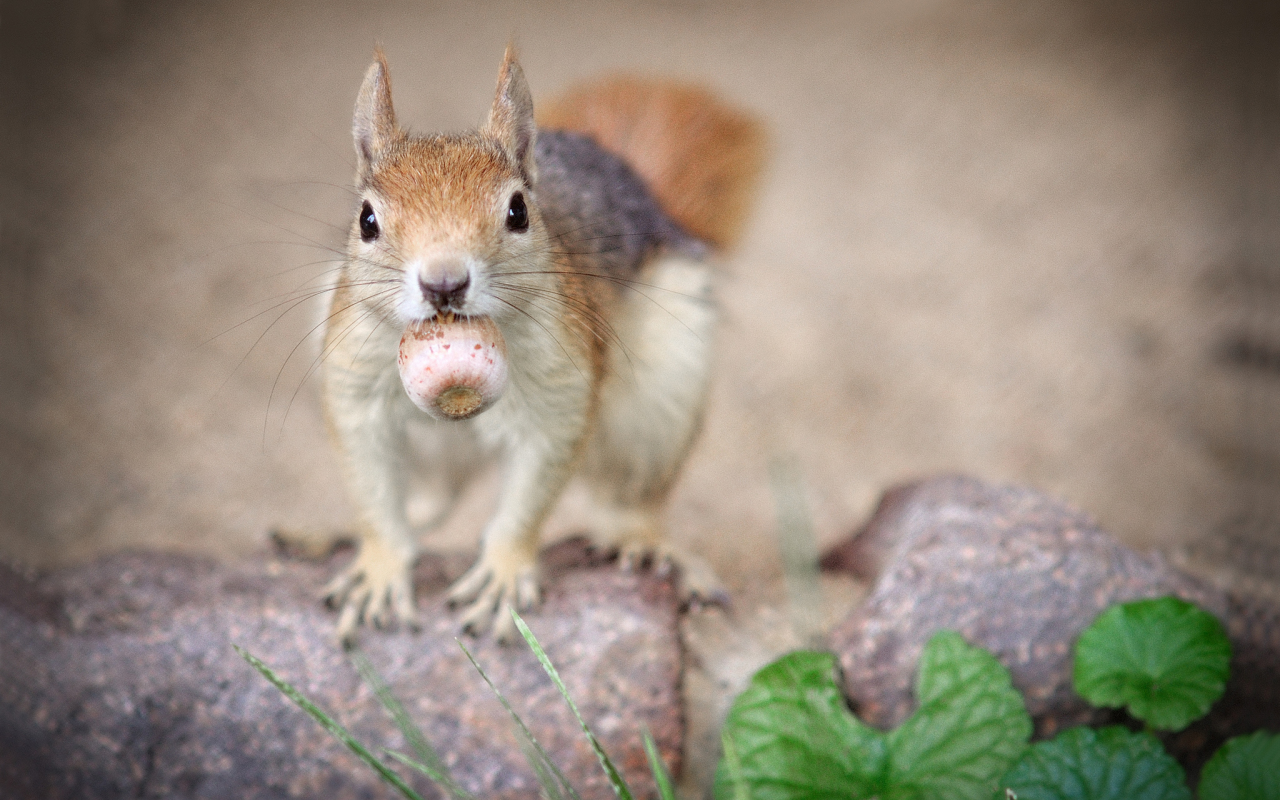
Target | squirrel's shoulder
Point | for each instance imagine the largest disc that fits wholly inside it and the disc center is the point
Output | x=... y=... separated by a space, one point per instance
x=593 y=202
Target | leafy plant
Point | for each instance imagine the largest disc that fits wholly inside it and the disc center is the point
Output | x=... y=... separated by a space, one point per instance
x=790 y=735
x=1108 y=764
x=1165 y=660
x=793 y=736
x=1245 y=768
x=553 y=782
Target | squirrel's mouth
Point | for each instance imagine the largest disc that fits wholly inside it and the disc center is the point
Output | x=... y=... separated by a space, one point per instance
x=450 y=317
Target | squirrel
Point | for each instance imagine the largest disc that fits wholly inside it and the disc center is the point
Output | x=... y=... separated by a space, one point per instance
x=585 y=237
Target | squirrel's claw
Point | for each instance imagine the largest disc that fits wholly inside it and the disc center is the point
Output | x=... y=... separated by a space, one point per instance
x=490 y=591
x=375 y=589
x=698 y=585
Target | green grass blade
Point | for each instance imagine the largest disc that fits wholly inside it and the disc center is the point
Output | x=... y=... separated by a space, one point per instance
x=435 y=776
x=798 y=546
x=552 y=787
x=429 y=761
x=660 y=777
x=329 y=724
x=537 y=757
x=734 y=765
x=620 y=787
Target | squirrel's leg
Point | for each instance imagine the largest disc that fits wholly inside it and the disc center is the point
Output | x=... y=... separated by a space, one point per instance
x=651 y=411
x=544 y=429
x=367 y=411
x=445 y=456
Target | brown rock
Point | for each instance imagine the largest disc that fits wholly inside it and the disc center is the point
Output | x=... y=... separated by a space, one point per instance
x=1021 y=574
x=118 y=679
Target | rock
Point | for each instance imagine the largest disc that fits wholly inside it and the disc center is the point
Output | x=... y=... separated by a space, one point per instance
x=118 y=679
x=1021 y=574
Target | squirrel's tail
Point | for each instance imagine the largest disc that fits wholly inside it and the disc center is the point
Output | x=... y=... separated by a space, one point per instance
x=700 y=157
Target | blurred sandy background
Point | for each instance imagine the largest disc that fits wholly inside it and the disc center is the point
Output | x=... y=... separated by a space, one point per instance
x=1031 y=241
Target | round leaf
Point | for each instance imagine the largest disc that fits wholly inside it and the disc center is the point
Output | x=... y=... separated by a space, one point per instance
x=1165 y=660
x=1245 y=768
x=1108 y=764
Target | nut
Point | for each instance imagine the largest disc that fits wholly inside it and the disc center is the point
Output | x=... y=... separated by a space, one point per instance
x=453 y=368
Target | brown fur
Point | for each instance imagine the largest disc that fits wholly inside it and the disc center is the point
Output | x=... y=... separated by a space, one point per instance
x=701 y=157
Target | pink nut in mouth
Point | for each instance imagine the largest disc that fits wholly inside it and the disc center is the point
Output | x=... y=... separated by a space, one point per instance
x=453 y=368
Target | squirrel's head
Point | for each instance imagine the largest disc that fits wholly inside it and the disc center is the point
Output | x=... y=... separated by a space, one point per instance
x=450 y=213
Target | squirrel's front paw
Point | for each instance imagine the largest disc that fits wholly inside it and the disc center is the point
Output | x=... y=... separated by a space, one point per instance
x=491 y=589
x=697 y=584
x=377 y=588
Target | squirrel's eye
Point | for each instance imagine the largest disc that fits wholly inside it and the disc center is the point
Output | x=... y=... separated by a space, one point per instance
x=368 y=223
x=517 y=214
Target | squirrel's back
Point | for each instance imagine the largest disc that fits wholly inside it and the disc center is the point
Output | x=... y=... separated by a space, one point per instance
x=601 y=215
x=699 y=157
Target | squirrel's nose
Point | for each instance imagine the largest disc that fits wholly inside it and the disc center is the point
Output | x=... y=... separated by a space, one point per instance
x=447 y=293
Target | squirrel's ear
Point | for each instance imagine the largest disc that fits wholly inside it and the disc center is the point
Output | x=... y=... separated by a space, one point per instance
x=374 y=125
x=511 y=118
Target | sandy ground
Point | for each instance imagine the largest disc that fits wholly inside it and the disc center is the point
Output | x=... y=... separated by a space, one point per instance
x=1030 y=241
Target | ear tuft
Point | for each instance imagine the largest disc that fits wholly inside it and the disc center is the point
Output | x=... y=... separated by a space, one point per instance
x=374 y=125
x=511 y=118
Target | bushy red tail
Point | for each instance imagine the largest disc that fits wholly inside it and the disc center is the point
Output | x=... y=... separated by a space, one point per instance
x=700 y=157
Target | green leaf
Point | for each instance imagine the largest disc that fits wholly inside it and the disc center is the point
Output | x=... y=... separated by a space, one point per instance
x=1165 y=660
x=1245 y=768
x=970 y=726
x=795 y=738
x=330 y=725
x=1108 y=764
